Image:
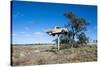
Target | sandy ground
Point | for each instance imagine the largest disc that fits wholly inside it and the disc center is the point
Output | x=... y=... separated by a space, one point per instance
x=45 y=54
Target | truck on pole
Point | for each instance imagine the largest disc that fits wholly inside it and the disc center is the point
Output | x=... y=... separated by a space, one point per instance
x=57 y=31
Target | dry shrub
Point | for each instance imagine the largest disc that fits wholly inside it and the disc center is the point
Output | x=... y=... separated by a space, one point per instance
x=40 y=61
x=51 y=56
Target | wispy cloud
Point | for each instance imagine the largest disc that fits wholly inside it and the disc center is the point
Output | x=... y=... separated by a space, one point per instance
x=95 y=27
x=18 y=14
x=22 y=32
x=26 y=28
x=39 y=33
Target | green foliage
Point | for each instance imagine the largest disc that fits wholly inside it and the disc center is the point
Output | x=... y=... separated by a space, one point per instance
x=82 y=38
x=76 y=26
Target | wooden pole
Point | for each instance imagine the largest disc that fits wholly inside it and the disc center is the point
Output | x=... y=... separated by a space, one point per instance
x=58 y=43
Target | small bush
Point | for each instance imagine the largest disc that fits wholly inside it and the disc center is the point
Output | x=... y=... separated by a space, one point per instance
x=64 y=46
x=53 y=47
x=52 y=50
x=40 y=61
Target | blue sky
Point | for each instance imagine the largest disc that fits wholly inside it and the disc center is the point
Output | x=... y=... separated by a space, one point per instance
x=30 y=20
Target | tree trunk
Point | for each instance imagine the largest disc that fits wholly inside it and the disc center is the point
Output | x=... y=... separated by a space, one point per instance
x=73 y=39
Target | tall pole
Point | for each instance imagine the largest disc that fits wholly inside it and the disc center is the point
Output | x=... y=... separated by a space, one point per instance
x=58 y=42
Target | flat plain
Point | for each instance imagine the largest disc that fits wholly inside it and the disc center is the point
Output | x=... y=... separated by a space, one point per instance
x=48 y=54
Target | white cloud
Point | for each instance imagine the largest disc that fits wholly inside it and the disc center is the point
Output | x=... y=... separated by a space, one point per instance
x=39 y=33
x=95 y=27
x=22 y=32
x=18 y=14
x=26 y=28
x=28 y=35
